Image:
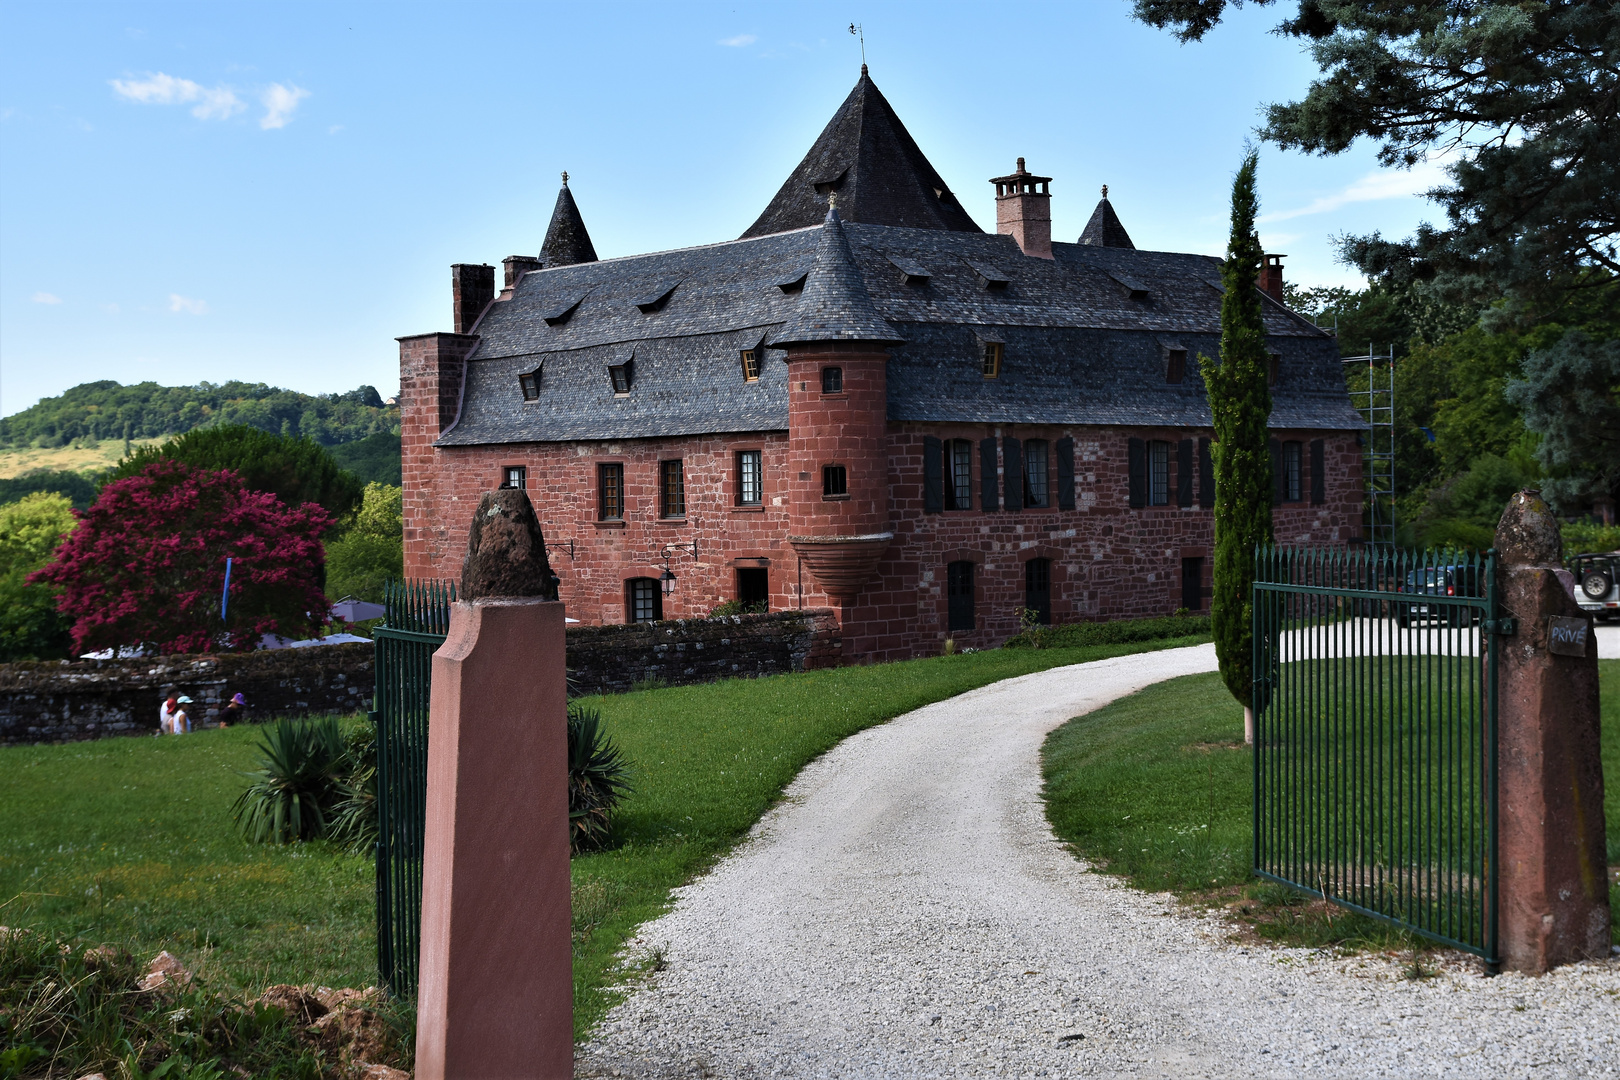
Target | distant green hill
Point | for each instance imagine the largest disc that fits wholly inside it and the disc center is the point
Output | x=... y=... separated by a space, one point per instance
x=109 y=410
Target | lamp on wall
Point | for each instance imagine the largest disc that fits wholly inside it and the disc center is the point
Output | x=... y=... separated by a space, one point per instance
x=666 y=580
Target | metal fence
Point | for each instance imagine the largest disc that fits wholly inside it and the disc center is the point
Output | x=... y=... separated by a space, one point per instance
x=1375 y=735
x=417 y=618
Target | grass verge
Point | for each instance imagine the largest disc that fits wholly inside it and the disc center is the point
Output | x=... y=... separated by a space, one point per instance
x=1156 y=787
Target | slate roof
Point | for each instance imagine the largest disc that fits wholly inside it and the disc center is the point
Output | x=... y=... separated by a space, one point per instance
x=835 y=305
x=567 y=241
x=1104 y=229
x=868 y=157
x=1087 y=333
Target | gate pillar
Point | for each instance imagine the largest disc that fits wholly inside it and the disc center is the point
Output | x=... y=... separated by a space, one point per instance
x=1553 y=882
x=496 y=991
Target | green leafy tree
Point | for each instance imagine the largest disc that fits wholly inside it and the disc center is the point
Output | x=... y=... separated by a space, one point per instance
x=1240 y=401
x=31 y=627
x=294 y=470
x=1524 y=97
x=1570 y=394
x=373 y=458
x=79 y=488
x=371 y=550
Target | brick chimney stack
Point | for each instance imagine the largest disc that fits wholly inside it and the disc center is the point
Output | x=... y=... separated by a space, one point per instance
x=472 y=287
x=518 y=265
x=1271 y=279
x=1024 y=210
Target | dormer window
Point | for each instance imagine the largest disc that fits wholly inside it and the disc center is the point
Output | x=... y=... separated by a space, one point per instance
x=994 y=352
x=1130 y=286
x=1273 y=367
x=1175 y=365
x=750 y=365
x=530 y=384
x=912 y=273
x=621 y=376
x=993 y=278
x=656 y=297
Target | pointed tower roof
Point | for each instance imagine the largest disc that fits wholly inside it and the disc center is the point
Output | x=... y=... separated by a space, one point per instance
x=866 y=155
x=1104 y=228
x=835 y=305
x=567 y=242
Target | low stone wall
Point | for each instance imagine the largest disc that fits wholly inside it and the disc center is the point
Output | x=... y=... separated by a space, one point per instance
x=610 y=659
x=57 y=701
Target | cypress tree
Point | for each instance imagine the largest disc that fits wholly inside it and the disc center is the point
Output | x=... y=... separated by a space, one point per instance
x=1240 y=402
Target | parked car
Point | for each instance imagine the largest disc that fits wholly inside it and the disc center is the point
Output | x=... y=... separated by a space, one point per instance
x=1597 y=582
x=1457 y=579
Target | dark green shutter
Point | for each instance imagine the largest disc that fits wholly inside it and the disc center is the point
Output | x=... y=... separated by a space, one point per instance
x=1065 y=454
x=989 y=490
x=1318 y=472
x=1136 y=467
x=1206 y=475
x=1277 y=479
x=933 y=476
x=1012 y=453
x=1184 y=472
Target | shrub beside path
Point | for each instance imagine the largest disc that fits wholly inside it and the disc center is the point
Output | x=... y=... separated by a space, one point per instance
x=906 y=912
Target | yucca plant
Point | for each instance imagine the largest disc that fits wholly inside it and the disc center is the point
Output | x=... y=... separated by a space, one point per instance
x=295 y=786
x=598 y=778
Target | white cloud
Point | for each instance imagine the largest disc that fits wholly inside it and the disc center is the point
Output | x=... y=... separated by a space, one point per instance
x=1385 y=184
x=207 y=103
x=45 y=298
x=178 y=303
x=279 y=103
x=739 y=41
x=334 y=129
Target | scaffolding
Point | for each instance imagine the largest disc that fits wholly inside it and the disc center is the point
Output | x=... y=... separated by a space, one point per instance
x=1376 y=403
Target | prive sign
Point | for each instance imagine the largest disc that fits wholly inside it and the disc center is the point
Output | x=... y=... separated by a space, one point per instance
x=1567 y=637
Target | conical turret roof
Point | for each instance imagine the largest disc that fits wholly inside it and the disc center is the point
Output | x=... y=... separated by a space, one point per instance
x=567 y=242
x=865 y=155
x=835 y=305
x=1104 y=228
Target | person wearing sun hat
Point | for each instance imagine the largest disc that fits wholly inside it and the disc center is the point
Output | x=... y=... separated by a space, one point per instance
x=180 y=718
x=236 y=708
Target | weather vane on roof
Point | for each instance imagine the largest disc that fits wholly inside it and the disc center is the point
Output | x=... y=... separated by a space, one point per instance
x=565 y=178
x=860 y=32
x=1105 y=191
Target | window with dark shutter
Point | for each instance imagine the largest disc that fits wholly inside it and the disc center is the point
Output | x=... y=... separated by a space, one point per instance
x=672 y=488
x=1293 y=467
x=958 y=474
x=1038 y=589
x=933 y=476
x=989 y=489
x=1206 y=475
x=1012 y=456
x=1275 y=446
x=1037 y=486
x=1158 y=473
x=959 y=597
x=1065 y=474
x=1318 y=472
x=1136 y=472
x=1184 y=472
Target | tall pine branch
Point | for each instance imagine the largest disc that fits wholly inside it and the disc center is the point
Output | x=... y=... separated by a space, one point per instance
x=1240 y=401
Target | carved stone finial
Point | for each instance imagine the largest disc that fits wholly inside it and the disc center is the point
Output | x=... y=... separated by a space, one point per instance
x=565 y=178
x=832 y=200
x=506 y=553
x=1105 y=191
x=1528 y=533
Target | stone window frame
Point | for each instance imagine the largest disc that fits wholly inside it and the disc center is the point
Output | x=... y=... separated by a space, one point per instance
x=610 y=496
x=517 y=473
x=740 y=459
x=834 y=482
x=832 y=380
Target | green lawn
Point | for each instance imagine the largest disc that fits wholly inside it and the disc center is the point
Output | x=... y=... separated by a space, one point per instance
x=1157 y=787
x=130 y=840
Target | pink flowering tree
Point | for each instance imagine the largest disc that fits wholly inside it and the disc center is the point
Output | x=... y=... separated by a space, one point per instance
x=146 y=565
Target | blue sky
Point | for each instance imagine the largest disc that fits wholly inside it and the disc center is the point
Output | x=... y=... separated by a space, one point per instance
x=274 y=192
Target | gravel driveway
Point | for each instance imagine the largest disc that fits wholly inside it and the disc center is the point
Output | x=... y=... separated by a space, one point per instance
x=906 y=912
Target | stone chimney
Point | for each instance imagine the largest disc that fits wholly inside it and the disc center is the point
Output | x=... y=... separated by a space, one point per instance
x=516 y=266
x=472 y=287
x=1024 y=210
x=1271 y=281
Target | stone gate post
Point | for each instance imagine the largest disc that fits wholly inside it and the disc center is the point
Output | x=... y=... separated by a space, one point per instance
x=1553 y=880
x=496 y=991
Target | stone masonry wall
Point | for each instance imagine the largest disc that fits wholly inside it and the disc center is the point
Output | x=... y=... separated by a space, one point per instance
x=1108 y=560
x=88 y=699
x=609 y=659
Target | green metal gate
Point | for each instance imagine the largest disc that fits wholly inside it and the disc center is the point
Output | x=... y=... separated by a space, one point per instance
x=1375 y=735
x=418 y=616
